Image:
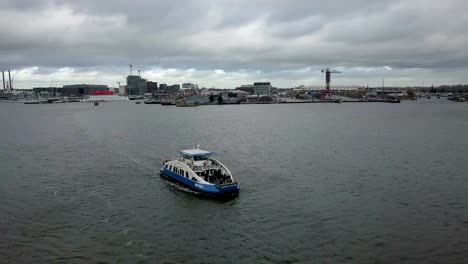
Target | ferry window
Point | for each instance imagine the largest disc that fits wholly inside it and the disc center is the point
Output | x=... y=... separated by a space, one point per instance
x=170 y=167
x=186 y=174
x=181 y=172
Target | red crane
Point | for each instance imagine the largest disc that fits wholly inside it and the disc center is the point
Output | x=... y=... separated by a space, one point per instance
x=328 y=73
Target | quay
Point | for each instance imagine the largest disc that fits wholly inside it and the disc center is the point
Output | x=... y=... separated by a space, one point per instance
x=188 y=94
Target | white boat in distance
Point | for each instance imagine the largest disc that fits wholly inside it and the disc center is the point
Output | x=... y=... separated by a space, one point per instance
x=197 y=171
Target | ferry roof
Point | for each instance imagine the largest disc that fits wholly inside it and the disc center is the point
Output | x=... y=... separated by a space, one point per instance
x=195 y=152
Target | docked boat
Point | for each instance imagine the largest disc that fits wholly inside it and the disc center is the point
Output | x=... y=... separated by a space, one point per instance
x=197 y=171
x=152 y=102
x=32 y=102
x=456 y=98
x=168 y=102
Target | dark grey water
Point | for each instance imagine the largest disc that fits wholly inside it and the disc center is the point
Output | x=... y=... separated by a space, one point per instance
x=338 y=183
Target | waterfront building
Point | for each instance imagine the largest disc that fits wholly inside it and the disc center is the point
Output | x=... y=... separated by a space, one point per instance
x=235 y=93
x=246 y=88
x=189 y=86
x=152 y=86
x=162 y=87
x=186 y=93
x=47 y=91
x=173 y=88
x=160 y=95
x=169 y=88
x=136 y=85
x=5 y=95
x=121 y=90
x=262 y=88
x=82 y=89
x=258 y=88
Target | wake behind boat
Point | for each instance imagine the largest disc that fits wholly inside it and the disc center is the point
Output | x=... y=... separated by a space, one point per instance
x=200 y=173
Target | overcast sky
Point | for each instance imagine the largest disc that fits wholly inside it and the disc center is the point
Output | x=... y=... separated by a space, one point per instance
x=229 y=43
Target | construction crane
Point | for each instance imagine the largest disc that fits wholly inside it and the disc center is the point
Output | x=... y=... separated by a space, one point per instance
x=328 y=73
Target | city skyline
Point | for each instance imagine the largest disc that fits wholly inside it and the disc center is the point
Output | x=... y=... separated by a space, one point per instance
x=226 y=44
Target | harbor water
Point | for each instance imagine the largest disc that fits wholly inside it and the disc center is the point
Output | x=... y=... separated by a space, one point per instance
x=320 y=183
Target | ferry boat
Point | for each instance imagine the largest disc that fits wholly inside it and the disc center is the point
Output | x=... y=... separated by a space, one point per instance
x=197 y=171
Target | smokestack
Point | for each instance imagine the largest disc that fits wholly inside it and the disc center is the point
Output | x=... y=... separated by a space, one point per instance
x=3 y=75
x=9 y=78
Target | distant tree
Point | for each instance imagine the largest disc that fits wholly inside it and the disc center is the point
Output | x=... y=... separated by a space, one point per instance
x=266 y=99
x=298 y=96
x=353 y=94
x=432 y=89
x=411 y=93
x=212 y=99
x=440 y=90
x=220 y=99
x=317 y=95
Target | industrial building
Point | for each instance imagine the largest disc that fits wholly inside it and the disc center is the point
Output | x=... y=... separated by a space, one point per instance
x=8 y=86
x=258 y=88
x=82 y=89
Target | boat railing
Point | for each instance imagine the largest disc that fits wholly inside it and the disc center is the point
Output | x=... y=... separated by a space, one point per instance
x=206 y=167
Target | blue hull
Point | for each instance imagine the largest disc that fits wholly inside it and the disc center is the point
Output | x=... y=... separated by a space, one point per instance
x=200 y=187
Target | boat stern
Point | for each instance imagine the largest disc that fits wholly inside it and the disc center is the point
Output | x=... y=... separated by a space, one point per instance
x=229 y=188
